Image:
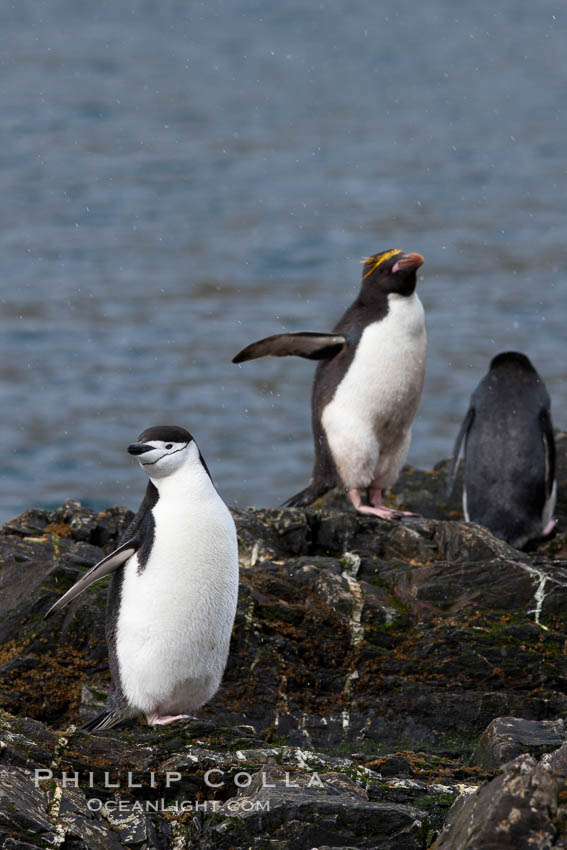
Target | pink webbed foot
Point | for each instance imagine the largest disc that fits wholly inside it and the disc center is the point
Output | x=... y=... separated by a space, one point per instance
x=155 y=719
x=375 y=499
x=375 y=508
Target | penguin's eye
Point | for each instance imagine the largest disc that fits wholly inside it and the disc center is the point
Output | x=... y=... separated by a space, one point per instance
x=169 y=446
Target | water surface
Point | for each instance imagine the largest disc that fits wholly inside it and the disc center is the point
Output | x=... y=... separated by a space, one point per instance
x=178 y=179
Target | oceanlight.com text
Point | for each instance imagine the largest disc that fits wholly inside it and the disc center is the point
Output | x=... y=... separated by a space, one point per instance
x=235 y=806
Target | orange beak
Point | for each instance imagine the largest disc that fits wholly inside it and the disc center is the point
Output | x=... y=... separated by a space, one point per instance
x=408 y=262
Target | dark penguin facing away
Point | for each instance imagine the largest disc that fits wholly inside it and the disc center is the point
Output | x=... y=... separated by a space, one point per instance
x=509 y=453
x=172 y=597
x=367 y=384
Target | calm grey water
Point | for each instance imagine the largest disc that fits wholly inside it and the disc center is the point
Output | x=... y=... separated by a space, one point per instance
x=178 y=178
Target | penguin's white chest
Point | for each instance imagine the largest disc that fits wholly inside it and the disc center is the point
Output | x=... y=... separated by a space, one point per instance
x=176 y=614
x=368 y=420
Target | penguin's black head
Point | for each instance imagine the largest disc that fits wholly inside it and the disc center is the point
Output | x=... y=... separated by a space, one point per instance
x=512 y=359
x=164 y=449
x=165 y=433
x=391 y=271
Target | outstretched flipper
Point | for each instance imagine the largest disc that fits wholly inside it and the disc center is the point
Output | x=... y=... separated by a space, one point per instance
x=309 y=344
x=462 y=435
x=103 y=568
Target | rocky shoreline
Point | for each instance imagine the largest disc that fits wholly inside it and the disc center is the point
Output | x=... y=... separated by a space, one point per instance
x=390 y=685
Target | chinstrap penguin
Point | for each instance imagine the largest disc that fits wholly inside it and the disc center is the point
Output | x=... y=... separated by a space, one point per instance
x=172 y=597
x=367 y=384
x=509 y=481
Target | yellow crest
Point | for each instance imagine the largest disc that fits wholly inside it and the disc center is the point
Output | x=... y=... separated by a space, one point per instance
x=381 y=259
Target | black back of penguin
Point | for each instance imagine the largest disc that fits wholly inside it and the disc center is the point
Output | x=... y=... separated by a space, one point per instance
x=509 y=469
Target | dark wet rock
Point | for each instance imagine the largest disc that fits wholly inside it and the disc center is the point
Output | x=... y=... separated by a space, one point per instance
x=508 y=737
x=371 y=652
x=198 y=784
x=56 y=815
x=521 y=809
x=300 y=813
x=556 y=760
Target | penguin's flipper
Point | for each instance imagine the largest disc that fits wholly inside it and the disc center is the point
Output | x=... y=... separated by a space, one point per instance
x=309 y=344
x=549 y=445
x=103 y=568
x=462 y=435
